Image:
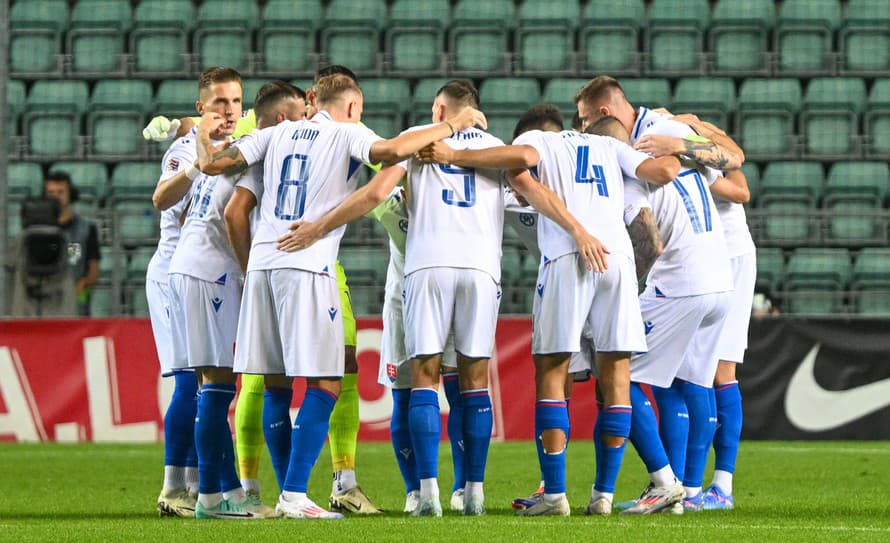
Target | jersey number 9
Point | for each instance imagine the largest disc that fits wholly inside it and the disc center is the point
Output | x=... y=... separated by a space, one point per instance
x=469 y=175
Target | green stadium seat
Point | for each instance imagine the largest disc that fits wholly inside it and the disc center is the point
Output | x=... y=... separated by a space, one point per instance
x=710 y=98
x=765 y=117
x=752 y=175
x=478 y=37
x=803 y=36
x=351 y=35
x=51 y=123
x=386 y=102
x=117 y=113
x=136 y=301
x=35 y=30
x=859 y=178
x=609 y=37
x=249 y=88
x=652 y=93
x=502 y=124
x=816 y=279
x=738 y=36
x=872 y=265
x=830 y=117
x=561 y=92
x=788 y=222
x=511 y=262
x=528 y=273
x=159 y=40
x=136 y=264
x=176 y=98
x=91 y=178
x=364 y=265
x=107 y=265
x=286 y=38
x=15 y=105
x=422 y=99
x=855 y=220
x=544 y=42
x=223 y=34
x=802 y=181
x=116 y=94
x=134 y=180
x=415 y=38
x=674 y=38
x=873 y=300
x=877 y=120
x=102 y=302
x=366 y=300
x=135 y=223
x=770 y=269
x=23 y=179
x=13 y=218
x=864 y=40
x=512 y=94
x=96 y=37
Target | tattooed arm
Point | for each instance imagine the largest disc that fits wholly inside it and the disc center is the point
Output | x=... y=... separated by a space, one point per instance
x=646 y=241
x=712 y=132
x=217 y=160
x=698 y=148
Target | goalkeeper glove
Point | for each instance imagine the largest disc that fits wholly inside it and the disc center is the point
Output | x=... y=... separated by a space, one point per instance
x=161 y=129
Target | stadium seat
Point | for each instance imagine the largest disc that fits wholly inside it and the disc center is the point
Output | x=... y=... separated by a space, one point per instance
x=222 y=36
x=864 y=40
x=877 y=120
x=136 y=264
x=15 y=105
x=765 y=117
x=351 y=35
x=860 y=179
x=561 y=92
x=51 y=123
x=871 y=281
x=855 y=220
x=286 y=38
x=770 y=269
x=102 y=302
x=159 y=40
x=738 y=36
x=478 y=37
x=135 y=180
x=13 y=218
x=364 y=265
x=710 y=98
x=117 y=113
x=386 y=102
x=674 y=38
x=23 y=179
x=136 y=301
x=528 y=273
x=249 y=88
x=35 y=30
x=422 y=99
x=176 y=98
x=609 y=37
x=366 y=300
x=816 y=279
x=95 y=38
x=788 y=222
x=651 y=93
x=509 y=93
x=91 y=178
x=511 y=262
x=752 y=175
x=135 y=223
x=415 y=37
x=545 y=38
x=803 y=36
x=801 y=181
x=829 y=121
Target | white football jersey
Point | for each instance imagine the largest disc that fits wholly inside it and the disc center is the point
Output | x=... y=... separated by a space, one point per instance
x=695 y=260
x=587 y=173
x=309 y=167
x=735 y=227
x=456 y=215
x=179 y=156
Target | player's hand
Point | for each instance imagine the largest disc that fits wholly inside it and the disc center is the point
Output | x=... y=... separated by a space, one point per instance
x=210 y=123
x=160 y=129
x=302 y=235
x=689 y=119
x=659 y=146
x=592 y=251
x=468 y=118
x=436 y=153
x=662 y=111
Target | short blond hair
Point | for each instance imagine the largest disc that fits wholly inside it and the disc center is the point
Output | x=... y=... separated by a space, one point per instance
x=598 y=90
x=331 y=87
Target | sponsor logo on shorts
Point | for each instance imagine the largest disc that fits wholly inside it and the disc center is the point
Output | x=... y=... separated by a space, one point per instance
x=540 y=289
x=648 y=326
x=325 y=271
x=659 y=293
x=216 y=302
x=332 y=312
x=221 y=280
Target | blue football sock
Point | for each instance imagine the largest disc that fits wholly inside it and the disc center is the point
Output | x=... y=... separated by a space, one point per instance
x=644 y=431
x=614 y=420
x=277 y=429
x=673 y=424
x=455 y=429
x=228 y=479
x=400 y=434
x=308 y=437
x=210 y=435
x=179 y=421
x=550 y=415
x=729 y=426
x=426 y=428
x=477 y=423
x=702 y=422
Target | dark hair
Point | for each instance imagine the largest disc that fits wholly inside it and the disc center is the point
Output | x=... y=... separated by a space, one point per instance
x=217 y=74
x=60 y=176
x=273 y=92
x=461 y=91
x=334 y=69
x=576 y=121
x=610 y=126
x=598 y=89
x=539 y=117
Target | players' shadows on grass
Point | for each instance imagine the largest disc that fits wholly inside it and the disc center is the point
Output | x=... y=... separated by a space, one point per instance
x=74 y=515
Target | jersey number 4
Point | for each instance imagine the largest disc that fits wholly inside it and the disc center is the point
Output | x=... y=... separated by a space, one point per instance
x=291 y=198
x=469 y=175
x=590 y=173
x=698 y=225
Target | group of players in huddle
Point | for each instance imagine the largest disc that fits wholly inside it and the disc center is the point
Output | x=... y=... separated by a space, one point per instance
x=251 y=226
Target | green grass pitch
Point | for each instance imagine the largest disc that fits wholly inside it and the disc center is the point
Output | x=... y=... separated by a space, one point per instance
x=815 y=491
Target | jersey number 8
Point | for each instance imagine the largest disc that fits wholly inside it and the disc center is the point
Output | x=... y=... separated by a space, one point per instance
x=291 y=198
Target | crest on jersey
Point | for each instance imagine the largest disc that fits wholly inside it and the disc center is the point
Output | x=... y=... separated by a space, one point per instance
x=527 y=219
x=221 y=280
x=217 y=303
x=392 y=372
x=172 y=165
x=403 y=225
x=332 y=312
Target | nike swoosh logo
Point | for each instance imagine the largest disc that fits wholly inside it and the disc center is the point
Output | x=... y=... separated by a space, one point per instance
x=812 y=408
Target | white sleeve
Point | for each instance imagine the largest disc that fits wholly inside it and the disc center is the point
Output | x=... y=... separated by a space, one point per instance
x=361 y=138
x=178 y=157
x=668 y=127
x=534 y=139
x=252 y=180
x=253 y=146
x=636 y=197
x=711 y=175
x=628 y=158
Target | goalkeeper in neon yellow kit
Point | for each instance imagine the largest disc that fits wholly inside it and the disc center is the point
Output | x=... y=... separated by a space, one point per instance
x=346 y=494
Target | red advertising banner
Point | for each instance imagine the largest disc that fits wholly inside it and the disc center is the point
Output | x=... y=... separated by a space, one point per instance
x=99 y=380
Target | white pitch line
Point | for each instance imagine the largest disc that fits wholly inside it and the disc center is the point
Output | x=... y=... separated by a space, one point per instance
x=844 y=450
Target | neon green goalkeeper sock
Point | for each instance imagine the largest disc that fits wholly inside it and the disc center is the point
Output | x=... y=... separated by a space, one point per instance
x=249 y=426
x=344 y=422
